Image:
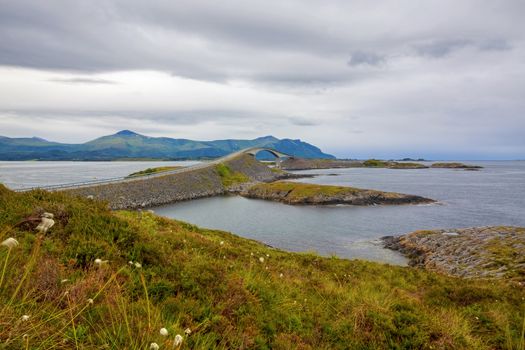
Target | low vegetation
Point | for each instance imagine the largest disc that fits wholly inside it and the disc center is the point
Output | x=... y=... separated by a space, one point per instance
x=375 y=163
x=150 y=171
x=99 y=279
x=230 y=177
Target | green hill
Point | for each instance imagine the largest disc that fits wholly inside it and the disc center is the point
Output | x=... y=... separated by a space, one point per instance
x=128 y=144
x=227 y=292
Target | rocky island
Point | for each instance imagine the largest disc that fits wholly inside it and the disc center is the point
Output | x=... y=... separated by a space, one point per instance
x=302 y=193
x=456 y=166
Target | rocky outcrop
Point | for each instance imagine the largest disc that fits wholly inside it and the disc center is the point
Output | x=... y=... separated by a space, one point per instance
x=301 y=193
x=482 y=252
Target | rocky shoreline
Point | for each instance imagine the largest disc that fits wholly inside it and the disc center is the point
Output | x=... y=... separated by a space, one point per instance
x=312 y=164
x=310 y=194
x=478 y=252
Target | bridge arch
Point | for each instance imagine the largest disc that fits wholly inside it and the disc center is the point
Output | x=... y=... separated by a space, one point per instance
x=277 y=154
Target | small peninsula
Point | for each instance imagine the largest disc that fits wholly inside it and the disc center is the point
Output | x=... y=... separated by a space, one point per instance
x=302 y=193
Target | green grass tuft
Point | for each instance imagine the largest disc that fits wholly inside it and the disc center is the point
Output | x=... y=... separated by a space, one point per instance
x=230 y=177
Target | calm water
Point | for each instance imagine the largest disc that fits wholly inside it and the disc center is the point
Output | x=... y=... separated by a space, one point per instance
x=29 y=174
x=493 y=196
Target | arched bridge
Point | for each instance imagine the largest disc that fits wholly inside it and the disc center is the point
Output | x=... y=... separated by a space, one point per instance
x=251 y=151
x=255 y=150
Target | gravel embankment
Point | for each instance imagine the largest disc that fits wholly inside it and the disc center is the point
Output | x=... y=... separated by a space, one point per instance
x=199 y=183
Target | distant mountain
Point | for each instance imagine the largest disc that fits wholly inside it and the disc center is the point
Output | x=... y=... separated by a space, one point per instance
x=128 y=144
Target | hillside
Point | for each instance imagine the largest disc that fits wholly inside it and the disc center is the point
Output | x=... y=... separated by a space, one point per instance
x=128 y=144
x=101 y=279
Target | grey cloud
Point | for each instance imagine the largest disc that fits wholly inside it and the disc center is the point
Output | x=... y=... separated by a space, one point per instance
x=441 y=48
x=369 y=58
x=219 y=42
x=495 y=45
x=82 y=81
x=301 y=121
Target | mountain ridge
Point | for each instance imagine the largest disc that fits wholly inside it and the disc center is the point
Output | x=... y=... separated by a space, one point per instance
x=129 y=144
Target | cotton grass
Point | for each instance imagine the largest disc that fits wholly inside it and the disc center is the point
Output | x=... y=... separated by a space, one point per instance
x=10 y=243
x=178 y=340
x=46 y=222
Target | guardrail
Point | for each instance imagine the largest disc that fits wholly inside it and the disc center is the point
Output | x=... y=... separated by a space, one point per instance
x=120 y=179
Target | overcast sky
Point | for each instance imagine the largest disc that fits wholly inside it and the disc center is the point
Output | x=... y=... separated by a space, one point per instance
x=434 y=79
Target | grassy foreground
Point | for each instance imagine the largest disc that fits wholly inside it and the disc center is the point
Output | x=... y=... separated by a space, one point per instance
x=230 y=292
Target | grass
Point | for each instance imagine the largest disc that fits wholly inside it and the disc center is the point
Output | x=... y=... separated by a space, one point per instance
x=230 y=177
x=150 y=171
x=375 y=163
x=231 y=292
x=297 y=190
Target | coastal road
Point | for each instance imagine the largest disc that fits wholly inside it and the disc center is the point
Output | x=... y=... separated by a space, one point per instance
x=206 y=164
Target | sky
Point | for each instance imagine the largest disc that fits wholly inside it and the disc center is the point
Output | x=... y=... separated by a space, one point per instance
x=438 y=79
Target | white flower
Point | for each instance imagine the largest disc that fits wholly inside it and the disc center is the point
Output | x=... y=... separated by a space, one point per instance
x=130 y=262
x=164 y=332
x=187 y=331
x=178 y=340
x=138 y=265
x=267 y=255
x=261 y=259
x=10 y=243
x=46 y=223
x=25 y=317
x=281 y=275
x=90 y=301
x=222 y=243
x=251 y=254
x=99 y=262
x=154 y=346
